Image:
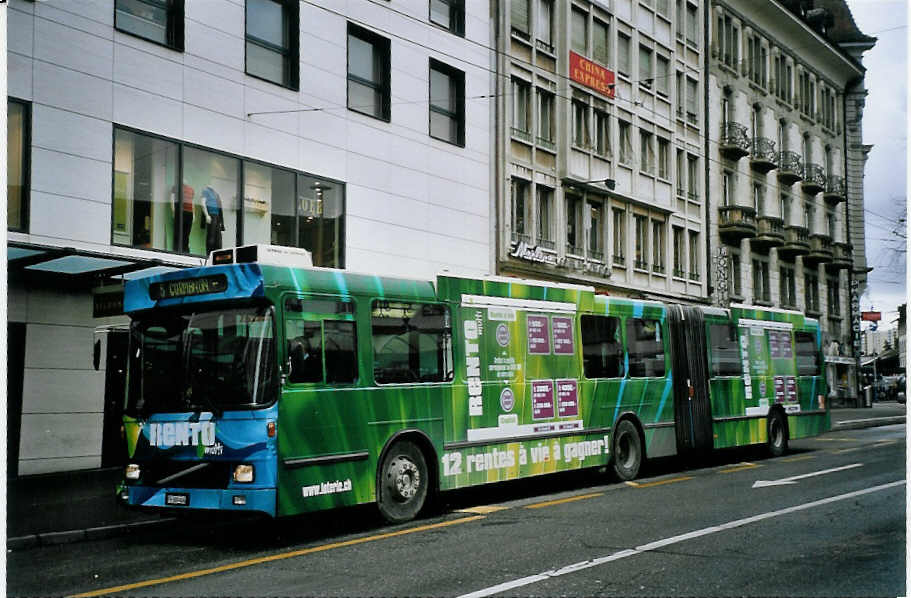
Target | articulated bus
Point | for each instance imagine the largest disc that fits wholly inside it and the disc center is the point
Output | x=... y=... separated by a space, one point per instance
x=256 y=386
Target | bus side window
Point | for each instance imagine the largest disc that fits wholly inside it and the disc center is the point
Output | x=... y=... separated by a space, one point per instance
x=412 y=342
x=341 y=351
x=807 y=354
x=305 y=351
x=645 y=348
x=725 y=350
x=602 y=347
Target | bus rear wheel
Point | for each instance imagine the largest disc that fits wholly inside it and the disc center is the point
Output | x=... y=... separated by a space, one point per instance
x=403 y=483
x=627 y=451
x=778 y=434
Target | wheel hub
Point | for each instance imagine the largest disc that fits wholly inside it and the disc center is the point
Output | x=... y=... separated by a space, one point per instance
x=405 y=478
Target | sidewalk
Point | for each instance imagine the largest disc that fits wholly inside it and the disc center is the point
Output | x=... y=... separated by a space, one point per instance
x=76 y=506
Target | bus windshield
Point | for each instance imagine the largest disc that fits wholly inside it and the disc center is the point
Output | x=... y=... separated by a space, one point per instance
x=201 y=361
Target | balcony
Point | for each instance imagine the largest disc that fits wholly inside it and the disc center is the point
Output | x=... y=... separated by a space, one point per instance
x=796 y=242
x=820 y=250
x=842 y=257
x=835 y=190
x=736 y=223
x=763 y=156
x=789 y=168
x=734 y=141
x=814 y=178
x=769 y=233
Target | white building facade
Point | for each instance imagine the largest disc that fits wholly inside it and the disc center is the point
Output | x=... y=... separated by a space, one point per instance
x=145 y=134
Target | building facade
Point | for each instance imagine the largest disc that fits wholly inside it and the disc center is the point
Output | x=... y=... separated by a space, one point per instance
x=144 y=134
x=600 y=175
x=786 y=164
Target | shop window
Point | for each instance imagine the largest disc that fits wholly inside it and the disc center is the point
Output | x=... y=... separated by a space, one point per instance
x=807 y=354
x=211 y=182
x=269 y=206
x=321 y=220
x=158 y=21
x=412 y=343
x=602 y=347
x=448 y=14
x=645 y=347
x=724 y=350
x=17 y=164
x=272 y=41
x=368 y=73
x=447 y=103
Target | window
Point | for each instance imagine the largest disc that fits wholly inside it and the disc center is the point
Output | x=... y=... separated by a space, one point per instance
x=448 y=14
x=758 y=199
x=761 y=281
x=213 y=180
x=412 y=343
x=679 y=253
x=664 y=150
x=596 y=230
x=600 y=42
x=645 y=347
x=623 y=48
x=368 y=73
x=269 y=205
x=755 y=56
x=692 y=100
x=787 y=290
x=728 y=41
x=735 y=275
x=658 y=246
x=602 y=347
x=574 y=225
x=692 y=25
x=546 y=119
x=680 y=172
x=724 y=349
x=320 y=220
x=545 y=217
x=641 y=243
x=645 y=66
x=785 y=204
x=692 y=178
x=520 y=211
x=830 y=224
x=833 y=296
x=519 y=18
x=662 y=75
x=18 y=130
x=581 y=135
x=602 y=133
x=322 y=347
x=447 y=103
x=778 y=72
x=545 y=28
x=272 y=41
x=521 y=118
x=727 y=189
x=626 y=145
x=789 y=83
x=695 y=268
x=158 y=21
x=646 y=152
x=663 y=7
x=579 y=31
x=807 y=354
x=619 y=228
x=811 y=290
x=808 y=215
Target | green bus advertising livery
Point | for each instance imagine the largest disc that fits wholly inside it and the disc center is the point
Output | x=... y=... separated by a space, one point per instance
x=255 y=385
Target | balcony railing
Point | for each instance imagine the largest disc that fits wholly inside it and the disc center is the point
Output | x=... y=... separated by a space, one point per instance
x=790 y=169
x=735 y=143
x=736 y=223
x=658 y=268
x=842 y=256
x=640 y=264
x=595 y=254
x=678 y=273
x=820 y=250
x=769 y=233
x=573 y=250
x=814 y=178
x=763 y=156
x=546 y=144
x=521 y=134
x=835 y=190
x=796 y=242
x=619 y=260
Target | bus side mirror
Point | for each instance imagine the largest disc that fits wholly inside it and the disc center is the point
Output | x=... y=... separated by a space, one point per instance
x=96 y=354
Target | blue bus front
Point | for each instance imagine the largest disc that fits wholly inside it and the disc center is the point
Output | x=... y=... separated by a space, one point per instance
x=202 y=382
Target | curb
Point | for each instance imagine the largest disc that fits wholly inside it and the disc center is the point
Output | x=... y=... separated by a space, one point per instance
x=857 y=424
x=79 y=535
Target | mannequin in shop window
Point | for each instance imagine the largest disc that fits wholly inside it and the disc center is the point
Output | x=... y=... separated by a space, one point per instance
x=214 y=222
x=187 y=215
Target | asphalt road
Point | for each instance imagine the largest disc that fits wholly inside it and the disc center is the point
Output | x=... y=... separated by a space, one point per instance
x=832 y=525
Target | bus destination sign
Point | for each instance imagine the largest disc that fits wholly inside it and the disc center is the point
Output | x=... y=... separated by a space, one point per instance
x=188 y=287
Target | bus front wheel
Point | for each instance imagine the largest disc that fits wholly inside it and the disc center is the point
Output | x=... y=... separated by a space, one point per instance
x=627 y=451
x=778 y=434
x=403 y=483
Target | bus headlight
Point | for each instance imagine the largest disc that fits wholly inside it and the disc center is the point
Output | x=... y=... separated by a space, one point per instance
x=243 y=473
x=132 y=472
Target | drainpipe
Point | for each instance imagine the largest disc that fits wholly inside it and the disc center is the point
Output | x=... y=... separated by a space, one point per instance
x=706 y=51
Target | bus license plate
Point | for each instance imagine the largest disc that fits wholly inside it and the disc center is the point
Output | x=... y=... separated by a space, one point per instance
x=178 y=500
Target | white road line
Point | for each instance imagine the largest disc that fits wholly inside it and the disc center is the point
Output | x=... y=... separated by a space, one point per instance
x=525 y=581
x=793 y=479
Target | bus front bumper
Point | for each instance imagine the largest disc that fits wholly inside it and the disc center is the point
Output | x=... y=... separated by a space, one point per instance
x=176 y=499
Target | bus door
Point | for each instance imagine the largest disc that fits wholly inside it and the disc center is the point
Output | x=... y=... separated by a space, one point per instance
x=692 y=405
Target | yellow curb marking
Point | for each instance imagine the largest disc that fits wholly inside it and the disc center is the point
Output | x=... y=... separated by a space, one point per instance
x=659 y=482
x=560 y=501
x=272 y=558
x=482 y=509
x=801 y=458
x=741 y=467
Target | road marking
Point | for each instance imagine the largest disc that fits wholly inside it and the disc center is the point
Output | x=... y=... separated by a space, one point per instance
x=860 y=448
x=836 y=440
x=272 y=558
x=801 y=458
x=508 y=586
x=659 y=482
x=870 y=419
x=560 y=501
x=741 y=467
x=793 y=479
x=482 y=509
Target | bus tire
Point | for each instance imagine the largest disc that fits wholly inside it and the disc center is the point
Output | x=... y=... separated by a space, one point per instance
x=403 y=482
x=627 y=451
x=778 y=433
